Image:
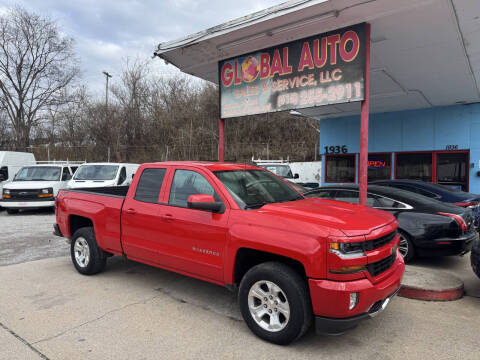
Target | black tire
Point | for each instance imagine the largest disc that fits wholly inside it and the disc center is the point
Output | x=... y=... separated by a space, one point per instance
x=411 y=248
x=475 y=262
x=97 y=260
x=293 y=287
x=12 y=211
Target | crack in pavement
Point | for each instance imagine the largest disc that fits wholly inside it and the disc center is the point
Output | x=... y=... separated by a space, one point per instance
x=95 y=319
x=160 y=290
x=35 y=350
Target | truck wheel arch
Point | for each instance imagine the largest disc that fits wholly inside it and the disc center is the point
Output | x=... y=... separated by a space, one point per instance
x=76 y=222
x=246 y=258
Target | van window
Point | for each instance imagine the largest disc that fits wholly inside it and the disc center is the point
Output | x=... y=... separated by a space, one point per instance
x=149 y=185
x=66 y=174
x=4 y=173
x=123 y=176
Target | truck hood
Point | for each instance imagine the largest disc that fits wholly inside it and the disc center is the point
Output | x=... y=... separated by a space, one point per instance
x=351 y=219
x=27 y=185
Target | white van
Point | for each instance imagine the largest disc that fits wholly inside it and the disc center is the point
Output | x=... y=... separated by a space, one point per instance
x=10 y=163
x=103 y=174
x=36 y=186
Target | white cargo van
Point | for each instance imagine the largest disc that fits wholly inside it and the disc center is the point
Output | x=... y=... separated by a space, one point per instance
x=103 y=174
x=36 y=186
x=10 y=163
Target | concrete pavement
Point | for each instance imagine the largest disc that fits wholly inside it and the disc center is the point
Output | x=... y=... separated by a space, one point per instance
x=133 y=311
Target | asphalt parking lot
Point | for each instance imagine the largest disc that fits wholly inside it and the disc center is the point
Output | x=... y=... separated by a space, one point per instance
x=132 y=311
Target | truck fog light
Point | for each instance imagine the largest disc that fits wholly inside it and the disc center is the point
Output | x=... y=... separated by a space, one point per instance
x=353 y=300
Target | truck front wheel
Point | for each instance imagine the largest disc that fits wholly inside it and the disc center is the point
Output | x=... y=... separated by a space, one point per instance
x=275 y=303
x=87 y=257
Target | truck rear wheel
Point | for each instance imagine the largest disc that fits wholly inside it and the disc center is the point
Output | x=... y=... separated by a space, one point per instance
x=475 y=262
x=87 y=257
x=275 y=303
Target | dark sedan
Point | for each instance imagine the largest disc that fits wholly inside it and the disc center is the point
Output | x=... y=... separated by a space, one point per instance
x=439 y=192
x=427 y=227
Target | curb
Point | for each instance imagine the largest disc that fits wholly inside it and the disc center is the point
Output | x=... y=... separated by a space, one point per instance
x=412 y=292
x=427 y=284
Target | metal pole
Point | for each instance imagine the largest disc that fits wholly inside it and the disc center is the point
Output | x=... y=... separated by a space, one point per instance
x=108 y=156
x=107 y=75
x=363 y=166
x=221 y=140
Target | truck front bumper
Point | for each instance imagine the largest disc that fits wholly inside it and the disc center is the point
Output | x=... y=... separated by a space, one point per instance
x=331 y=299
x=27 y=204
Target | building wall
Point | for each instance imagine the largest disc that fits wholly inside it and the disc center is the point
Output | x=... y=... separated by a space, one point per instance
x=415 y=130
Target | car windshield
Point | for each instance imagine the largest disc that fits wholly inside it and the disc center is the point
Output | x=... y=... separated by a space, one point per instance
x=39 y=173
x=280 y=170
x=252 y=189
x=96 y=172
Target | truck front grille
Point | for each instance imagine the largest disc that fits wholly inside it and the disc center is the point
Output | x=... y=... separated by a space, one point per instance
x=380 y=266
x=376 y=243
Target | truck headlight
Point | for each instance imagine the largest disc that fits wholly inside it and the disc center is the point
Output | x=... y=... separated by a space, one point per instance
x=346 y=250
x=6 y=192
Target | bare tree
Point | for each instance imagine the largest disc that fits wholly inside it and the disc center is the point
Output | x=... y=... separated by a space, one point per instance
x=36 y=64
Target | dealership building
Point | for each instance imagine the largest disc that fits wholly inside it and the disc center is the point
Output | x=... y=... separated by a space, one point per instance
x=424 y=72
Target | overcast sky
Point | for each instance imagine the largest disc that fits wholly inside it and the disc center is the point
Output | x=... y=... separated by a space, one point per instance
x=108 y=31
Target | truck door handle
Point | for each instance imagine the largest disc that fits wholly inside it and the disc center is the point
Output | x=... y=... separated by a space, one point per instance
x=131 y=211
x=168 y=217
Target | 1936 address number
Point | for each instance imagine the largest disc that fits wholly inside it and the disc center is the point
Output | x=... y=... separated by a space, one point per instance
x=337 y=149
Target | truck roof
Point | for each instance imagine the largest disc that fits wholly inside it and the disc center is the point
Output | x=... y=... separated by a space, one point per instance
x=213 y=166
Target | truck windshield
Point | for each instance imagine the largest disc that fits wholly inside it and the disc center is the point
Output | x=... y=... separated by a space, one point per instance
x=39 y=173
x=96 y=172
x=252 y=189
x=280 y=170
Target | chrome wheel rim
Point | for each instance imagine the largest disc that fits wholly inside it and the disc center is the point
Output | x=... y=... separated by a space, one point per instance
x=268 y=306
x=403 y=246
x=81 y=251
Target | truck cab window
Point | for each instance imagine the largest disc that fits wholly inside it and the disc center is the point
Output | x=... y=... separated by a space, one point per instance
x=149 y=185
x=186 y=183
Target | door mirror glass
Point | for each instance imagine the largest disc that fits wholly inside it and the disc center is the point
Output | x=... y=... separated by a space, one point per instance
x=204 y=202
x=296 y=176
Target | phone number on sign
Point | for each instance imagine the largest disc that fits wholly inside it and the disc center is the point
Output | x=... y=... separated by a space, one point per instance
x=334 y=93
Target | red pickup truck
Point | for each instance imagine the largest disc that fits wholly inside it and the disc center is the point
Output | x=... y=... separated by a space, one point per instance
x=292 y=259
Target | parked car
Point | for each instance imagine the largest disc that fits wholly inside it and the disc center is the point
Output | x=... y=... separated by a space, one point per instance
x=439 y=192
x=427 y=227
x=475 y=257
x=103 y=174
x=10 y=163
x=238 y=225
x=36 y=186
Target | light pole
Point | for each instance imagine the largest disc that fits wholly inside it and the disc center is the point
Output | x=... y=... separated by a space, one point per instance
x=107 y=75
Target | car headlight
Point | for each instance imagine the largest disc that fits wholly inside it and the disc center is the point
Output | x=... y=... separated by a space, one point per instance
x=47 y=191
x=6 y=191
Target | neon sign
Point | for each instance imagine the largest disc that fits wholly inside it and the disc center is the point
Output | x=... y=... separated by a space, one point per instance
x=376 y=164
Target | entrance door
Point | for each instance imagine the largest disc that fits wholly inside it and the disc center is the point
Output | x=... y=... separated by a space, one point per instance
x=452 y=170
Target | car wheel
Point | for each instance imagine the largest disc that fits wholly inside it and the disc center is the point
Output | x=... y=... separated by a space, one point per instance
x=275 y=303
x=87 y=257
x=12 y=211
x=475 y=262
x=406 y=247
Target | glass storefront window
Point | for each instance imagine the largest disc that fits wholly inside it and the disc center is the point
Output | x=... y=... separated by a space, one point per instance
x=340 y=168
x=379 y=167
x=414 y=166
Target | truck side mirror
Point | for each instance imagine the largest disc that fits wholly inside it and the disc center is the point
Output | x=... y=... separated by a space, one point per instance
x=204 y=202
x=296 y=176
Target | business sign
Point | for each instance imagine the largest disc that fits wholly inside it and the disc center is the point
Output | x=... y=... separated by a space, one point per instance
x=318 y=70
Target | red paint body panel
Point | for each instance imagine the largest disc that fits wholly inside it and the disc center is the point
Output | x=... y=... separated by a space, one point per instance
x=204 y=244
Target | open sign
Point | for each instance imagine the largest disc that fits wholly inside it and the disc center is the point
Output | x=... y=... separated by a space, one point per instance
x=376 y=164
